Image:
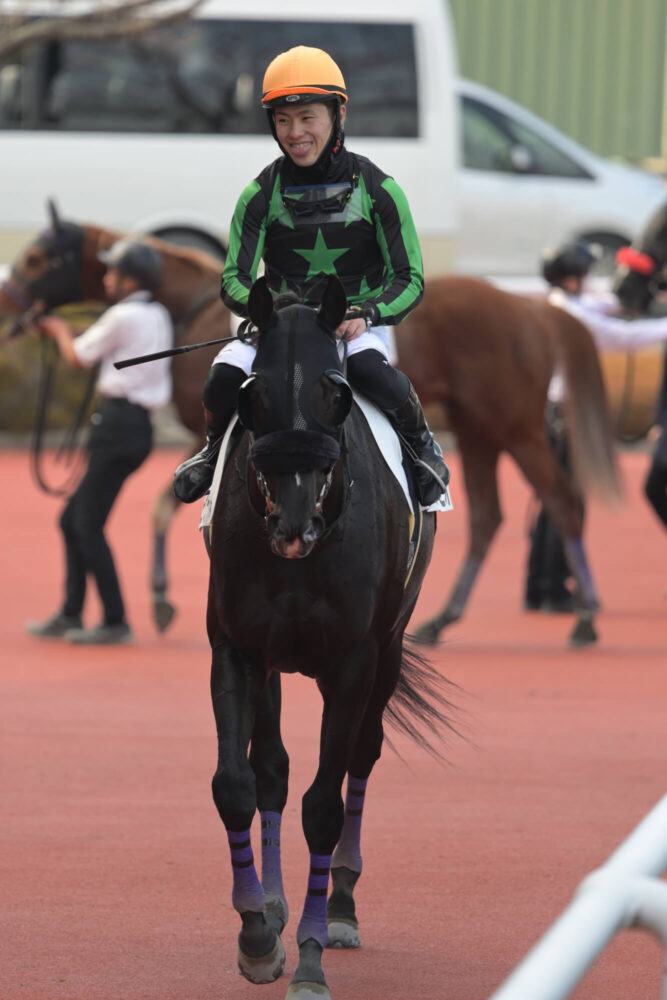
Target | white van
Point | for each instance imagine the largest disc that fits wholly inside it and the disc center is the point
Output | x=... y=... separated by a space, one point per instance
x=161 y=132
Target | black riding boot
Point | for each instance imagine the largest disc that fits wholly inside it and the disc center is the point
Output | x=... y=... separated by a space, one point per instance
x=193 y=478
x=431 y=472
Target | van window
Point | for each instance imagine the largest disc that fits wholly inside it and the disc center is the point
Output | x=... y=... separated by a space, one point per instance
x=205 y=76
x=490 y=137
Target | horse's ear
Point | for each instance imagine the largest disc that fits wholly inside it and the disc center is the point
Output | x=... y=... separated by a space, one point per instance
x=53 y=215
x=260 y=304
x=334 y=305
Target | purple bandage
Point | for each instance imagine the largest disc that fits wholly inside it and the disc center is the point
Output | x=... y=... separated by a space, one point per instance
x=348 y=849
x=313 y=923
x=247 y=893
x=272 y=879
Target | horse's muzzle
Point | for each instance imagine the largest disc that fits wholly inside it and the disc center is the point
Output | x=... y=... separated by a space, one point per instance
x=292 y=543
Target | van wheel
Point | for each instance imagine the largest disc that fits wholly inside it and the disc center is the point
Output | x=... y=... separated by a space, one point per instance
x=182 y=236
x=609 y=244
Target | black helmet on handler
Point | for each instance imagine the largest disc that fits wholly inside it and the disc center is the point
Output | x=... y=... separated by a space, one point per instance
x=136 y=260
x=570 y=260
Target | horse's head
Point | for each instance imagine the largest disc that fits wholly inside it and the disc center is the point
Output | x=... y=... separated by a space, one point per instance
x=49 y=271
x=294 y=404
x=641 y=271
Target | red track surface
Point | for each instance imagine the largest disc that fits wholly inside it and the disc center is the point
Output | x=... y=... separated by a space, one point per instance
x=115 y=877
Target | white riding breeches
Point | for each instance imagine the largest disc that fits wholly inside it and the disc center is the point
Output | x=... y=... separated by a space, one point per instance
x=241 y=355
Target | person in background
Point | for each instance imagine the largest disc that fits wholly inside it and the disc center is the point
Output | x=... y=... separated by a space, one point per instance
x=655 y=486
x=120 y=438
x=319 y=210
x=566 y=269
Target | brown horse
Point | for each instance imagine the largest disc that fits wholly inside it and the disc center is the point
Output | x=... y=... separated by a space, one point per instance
x=484 y=355
x=61 y=267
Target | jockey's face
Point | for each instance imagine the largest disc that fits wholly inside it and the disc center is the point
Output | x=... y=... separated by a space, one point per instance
x=303 y=131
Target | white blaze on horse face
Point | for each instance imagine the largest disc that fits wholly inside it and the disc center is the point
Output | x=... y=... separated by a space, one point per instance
x=297 y=479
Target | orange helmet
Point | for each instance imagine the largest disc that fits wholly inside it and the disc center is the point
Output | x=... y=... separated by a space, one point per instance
x=302 y=75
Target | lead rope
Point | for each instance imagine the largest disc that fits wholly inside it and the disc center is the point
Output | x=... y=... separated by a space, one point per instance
x=70 y=450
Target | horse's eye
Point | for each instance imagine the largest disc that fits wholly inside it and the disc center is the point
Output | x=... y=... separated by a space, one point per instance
x=33 y=259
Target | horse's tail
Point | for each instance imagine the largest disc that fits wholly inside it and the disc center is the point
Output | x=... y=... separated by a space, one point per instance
x=419 y=707
x=587 y=413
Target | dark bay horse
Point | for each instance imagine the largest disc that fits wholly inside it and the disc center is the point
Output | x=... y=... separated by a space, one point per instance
x=484 y=355
x=311 y=571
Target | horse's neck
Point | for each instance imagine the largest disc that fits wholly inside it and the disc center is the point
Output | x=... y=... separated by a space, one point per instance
x=95 y=240
x=188 y=282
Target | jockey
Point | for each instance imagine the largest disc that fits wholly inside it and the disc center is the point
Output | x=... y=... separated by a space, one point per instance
x=319 y=210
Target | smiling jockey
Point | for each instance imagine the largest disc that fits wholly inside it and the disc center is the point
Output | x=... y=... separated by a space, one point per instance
x=319 y=210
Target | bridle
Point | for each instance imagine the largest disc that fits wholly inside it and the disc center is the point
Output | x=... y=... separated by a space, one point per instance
x=63 y=270
x=269 y=503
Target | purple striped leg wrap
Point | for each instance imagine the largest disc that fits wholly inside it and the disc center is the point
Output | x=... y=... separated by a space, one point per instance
x=247 y=893
x=313 y=923
x=272 y=879
x=348 y=849
x=576 y=557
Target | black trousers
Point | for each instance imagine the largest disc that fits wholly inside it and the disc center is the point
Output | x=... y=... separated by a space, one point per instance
x=548 y=568
x=120 y=440
x=655 y=486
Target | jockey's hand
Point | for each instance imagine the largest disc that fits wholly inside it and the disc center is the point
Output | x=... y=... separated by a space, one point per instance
x=357 y=320
x=350 y=329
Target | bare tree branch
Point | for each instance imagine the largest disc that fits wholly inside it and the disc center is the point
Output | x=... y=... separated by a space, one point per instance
x=20 y=30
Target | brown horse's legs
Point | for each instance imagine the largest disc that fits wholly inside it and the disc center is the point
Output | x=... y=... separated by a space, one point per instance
x=165 y=507
x=163 y=512
x=480 y=460
x=563 y=506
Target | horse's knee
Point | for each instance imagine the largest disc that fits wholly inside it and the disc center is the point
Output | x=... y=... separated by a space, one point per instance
x=234 y=798
x=322 y=817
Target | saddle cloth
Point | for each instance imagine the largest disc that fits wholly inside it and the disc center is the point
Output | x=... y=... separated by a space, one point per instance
x=385 y=437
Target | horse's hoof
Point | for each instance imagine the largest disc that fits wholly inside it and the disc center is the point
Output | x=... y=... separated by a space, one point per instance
x=308 y=991
x=163 y=613
x=276 y=912
x=343 y=934
x=266 y=968
x=427 y=634
x=584 y=633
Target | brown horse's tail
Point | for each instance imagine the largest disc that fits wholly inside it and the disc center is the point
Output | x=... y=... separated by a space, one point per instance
x=587 y=411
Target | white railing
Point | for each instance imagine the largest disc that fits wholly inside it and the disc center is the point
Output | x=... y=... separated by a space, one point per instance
x=625 y=892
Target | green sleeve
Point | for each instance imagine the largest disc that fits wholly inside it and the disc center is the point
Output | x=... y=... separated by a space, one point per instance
x=399 y=245
x=246 y=245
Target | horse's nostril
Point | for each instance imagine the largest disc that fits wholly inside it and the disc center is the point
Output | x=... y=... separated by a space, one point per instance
x=315 y=529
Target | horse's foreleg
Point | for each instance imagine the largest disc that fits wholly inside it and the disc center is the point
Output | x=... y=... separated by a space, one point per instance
x=163 y=512
x=480 y=461
x=235 y=693
x=323 y=813
x=270 y=764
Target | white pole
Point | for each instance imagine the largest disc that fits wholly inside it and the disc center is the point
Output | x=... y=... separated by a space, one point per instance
x=620 y=894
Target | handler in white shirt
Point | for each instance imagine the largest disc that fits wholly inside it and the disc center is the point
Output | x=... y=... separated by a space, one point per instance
x=121 y=436
x=566 y=269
